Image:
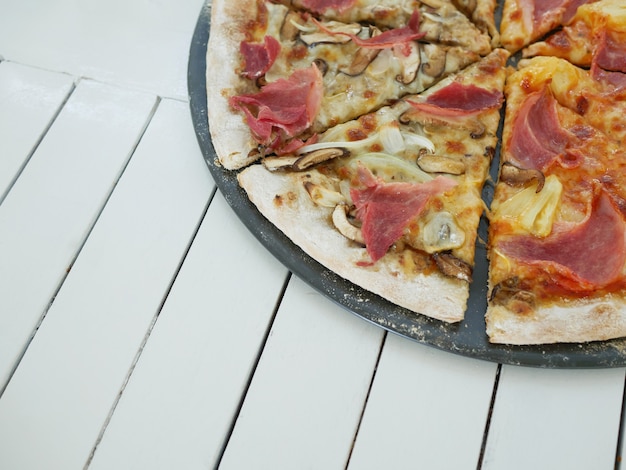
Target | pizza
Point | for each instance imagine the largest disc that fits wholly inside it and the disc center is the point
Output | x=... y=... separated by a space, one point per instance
x=366 y=132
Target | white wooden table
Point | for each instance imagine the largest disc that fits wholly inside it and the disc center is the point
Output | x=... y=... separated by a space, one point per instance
x=143 y=327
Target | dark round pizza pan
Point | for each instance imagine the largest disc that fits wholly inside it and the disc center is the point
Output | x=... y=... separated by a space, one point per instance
x=467 y=338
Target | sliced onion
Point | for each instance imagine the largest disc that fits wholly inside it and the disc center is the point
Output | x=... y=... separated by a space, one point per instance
x=344 y=145
x=391 y=138
x=411 y=139
x=390 y=168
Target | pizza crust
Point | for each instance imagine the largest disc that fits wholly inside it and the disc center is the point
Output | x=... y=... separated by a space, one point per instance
x=578 y=322
x=231 y=136
x=281 y=198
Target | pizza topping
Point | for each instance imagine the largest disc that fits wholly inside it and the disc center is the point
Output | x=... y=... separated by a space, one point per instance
x=389 y=168
x=452 y=266
x=282 y=109
x=455 y=104
x=314 y=157
x=531 y=209
x=362 y=59
x=584 y=256
x=387 y=39
x=320 y=6
x=441 y=164
x=537 y=138
x=386 y=209
x=458 y=97
x=515 y=176
x=411 y=59
x=323 y=196
x=388 y=136
x=611 y=54
x=441 y=232
x=616 y=80
x=509 y=293
x=435 y=66
x=259 y=57
x=343 y=225
x=332 y=32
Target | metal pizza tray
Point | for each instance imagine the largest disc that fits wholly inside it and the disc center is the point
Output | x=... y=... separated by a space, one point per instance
x=467 y=338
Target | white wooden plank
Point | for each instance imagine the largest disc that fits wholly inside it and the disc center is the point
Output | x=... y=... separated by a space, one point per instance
x=306 y=397
x=139 y=44
x=29 y=99
x=424 y=401
x=47 y=214
x=61 y=394
x=547 y=419
x=196 y=363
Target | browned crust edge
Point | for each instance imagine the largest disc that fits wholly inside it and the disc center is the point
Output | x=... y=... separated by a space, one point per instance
x=309 y=227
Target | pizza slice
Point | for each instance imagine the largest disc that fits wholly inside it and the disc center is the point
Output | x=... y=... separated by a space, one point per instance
x=482 y=14
x=277 y=77
x=391 y=201
x=441 y=20
x=597 y=95
x=595 y=36
x=525 y=21
x=557 y=245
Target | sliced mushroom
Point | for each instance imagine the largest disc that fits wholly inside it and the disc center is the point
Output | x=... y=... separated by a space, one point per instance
x=510 y=294
x=410 y=63
x=321 y=65
x=440 y=164
x=515 y=176
x=363 y=57
x=274 y=163
x=317 y=156
x=341 y=222
x=336 y=33
x=435 y=66
x=441 y=233
x=288 y=30
x=323 y=196
x=452 y=266
x=470 y=123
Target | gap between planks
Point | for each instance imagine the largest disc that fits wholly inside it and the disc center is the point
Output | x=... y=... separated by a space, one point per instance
x=90 y=229
x=149 y=330
x=244 y=394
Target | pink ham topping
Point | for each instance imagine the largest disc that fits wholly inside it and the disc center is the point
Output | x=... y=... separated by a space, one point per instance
x=320 y=6
x=590 y=254
x=284 y=108
x=259 y=57
x=616 y=80
x=537 y=138
x=386 y=209
x=611 y=53
x=387 y=39
x=542 y=8
x=458 y=100
x=465 y=97
x=551 y=11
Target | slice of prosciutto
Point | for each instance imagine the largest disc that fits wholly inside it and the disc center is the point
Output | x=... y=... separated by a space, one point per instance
x=615 y=80
x=610 y=53
x=387 y=39
x=550 y=13
x=581 y=258
x=282 y=109
x=259 y=57
x=457 y=100
x=386 y=209
x=320 y=6
x=537 y=138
